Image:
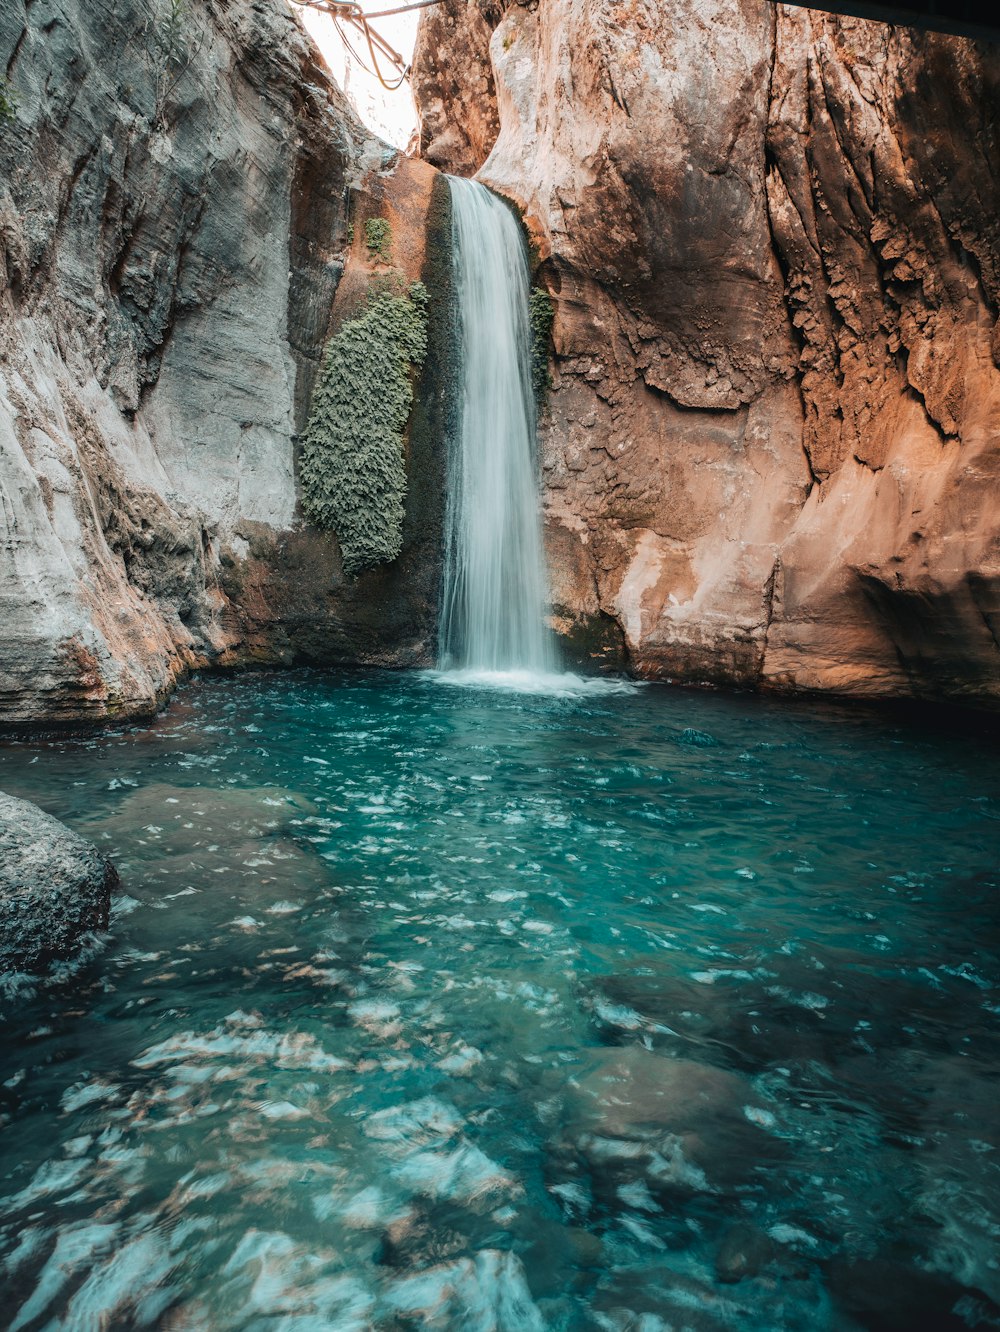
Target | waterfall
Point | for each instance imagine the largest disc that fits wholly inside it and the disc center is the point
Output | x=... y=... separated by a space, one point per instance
x=493 y=612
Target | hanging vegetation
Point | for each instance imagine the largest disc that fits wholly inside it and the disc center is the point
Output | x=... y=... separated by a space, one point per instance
x=352 y=462
x=541 y=314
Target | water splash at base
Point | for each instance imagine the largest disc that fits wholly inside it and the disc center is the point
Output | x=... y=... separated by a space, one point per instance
x=552 y=684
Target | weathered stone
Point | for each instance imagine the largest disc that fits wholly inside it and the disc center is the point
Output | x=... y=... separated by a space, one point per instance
x=676 y=1123
x=455 y=143
x=54 y=887
x=772 y=453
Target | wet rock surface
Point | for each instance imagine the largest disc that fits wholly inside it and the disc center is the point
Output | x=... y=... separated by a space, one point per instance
x=771 y=450
x=55 y=887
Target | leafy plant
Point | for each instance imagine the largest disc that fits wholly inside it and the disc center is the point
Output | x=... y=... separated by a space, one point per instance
x=541 y=314
x=176 y=43
x=8 y=102
x=352 y=461
x=378 y=238
x=171 y=26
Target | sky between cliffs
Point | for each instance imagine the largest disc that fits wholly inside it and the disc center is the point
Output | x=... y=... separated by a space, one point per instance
x=391 y=115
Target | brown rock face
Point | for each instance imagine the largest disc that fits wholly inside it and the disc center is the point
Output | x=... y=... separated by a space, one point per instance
x=456 y=142
x=772 y=451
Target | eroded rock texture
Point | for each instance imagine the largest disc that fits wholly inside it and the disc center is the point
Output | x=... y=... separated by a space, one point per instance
x=55 y=887
x=454 y=88
x=174 y=222
x=772 y=450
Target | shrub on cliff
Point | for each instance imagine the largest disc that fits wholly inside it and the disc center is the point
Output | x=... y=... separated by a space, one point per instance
x=378 y=238
x=541 y=314
x=352 y=462
x=8 y=102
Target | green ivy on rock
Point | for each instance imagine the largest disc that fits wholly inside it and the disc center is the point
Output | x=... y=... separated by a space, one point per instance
x=352 y=461
x=541 y=313
x=378 y=238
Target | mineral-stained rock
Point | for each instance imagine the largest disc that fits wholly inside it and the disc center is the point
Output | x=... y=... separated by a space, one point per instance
x=772 y=453
x=456 y=143
x=176 y=203
x=54 y=887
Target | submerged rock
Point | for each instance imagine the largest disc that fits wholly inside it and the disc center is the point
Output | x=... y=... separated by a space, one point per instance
x=894 y=1297
x=744 y=1251
x=487 y=1293
x=55 y=887
x=673 y=1123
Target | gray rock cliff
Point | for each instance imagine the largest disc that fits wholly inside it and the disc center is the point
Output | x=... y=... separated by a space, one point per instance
x=174 y=222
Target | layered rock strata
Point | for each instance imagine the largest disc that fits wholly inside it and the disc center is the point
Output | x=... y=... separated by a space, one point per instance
x=771 y=454
x=55 y=887
x=177 y=189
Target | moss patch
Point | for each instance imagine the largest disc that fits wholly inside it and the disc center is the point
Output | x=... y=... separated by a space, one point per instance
x=378 y=238
x=8 y=102
x=541 y=313
x=352 y=463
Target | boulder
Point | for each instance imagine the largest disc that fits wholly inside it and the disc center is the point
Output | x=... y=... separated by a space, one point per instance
x=55 y=887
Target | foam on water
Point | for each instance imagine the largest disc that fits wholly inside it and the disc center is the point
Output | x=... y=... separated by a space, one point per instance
x=547 y=684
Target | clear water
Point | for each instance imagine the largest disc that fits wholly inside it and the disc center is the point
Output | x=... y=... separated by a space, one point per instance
x=433 y=1007
x=492 y=616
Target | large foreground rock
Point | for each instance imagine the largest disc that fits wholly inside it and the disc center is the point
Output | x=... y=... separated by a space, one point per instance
x=54 y=887
x=772 y=452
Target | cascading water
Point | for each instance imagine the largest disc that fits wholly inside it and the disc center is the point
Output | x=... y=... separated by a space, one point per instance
x=493 y=613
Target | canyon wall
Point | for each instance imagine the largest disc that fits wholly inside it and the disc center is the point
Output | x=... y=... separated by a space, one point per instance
x=771 y=451
x=181 y=188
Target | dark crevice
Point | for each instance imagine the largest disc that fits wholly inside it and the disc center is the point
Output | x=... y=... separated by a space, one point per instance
x=910 y=390
x=968 y=259
x=836 y=122
x=976 y=584
x=768 y=595
x=16 y=51
x=797 y=336
x=79 y=167
x=156 y=350
x=865 y=462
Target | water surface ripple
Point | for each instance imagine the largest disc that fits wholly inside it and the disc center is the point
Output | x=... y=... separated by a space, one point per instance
x=441 y=1007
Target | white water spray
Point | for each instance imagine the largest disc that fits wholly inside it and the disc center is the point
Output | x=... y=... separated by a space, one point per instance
x=493 y=613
